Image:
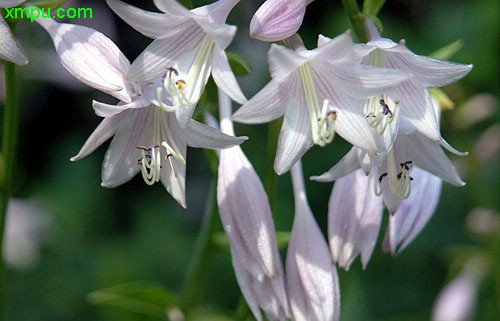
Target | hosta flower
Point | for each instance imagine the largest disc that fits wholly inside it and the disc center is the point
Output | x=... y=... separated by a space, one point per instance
x=147 y=138
x=320 y=92
x=411 y=99
x=278 y=19
x=458 y=300
x=10 y=49
x=247 y=220
x=188 y=47
x=312 y=281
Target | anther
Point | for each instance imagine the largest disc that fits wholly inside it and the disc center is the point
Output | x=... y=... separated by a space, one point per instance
x=386 y=109
x=382 y=177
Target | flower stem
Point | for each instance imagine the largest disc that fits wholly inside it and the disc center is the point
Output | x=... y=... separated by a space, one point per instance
x=272 y=144
x=357 y=19
x=9 y=141
x=203 y=251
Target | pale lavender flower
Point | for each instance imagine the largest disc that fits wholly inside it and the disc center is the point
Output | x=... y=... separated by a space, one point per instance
x=410 y=99
x=188 y=47
x=25 y=228
x=312 y=281
x=10 y=49
x=147 y=136
x=247 y=220
x=320 y=92
x=278 y=19
x=458 y=300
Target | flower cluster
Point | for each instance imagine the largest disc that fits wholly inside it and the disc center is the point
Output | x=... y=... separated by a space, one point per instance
x=375 y=95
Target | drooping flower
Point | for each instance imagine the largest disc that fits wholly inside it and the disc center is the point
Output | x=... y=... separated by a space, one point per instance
x=188 y=47
x=147 y=137
x=10 y=49
x=320 y=92
x=411 y=99
x=247 y=220
x=278 y=19
x=458 y=300
x=312 y=281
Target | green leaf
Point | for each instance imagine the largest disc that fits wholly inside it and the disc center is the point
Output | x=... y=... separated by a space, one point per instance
x=2 y=169
x=46 y=4
x=239 y=64
x=448 y=51
x=444 y=101
x=144 y=298
x=372 y=7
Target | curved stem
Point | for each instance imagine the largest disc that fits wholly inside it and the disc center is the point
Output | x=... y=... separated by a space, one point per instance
x=9 y=141
x=271 y=184
x=357 y=19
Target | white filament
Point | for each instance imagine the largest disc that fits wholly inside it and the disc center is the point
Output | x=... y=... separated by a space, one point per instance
x=380 y=111
x=322 y=120
x=398 y=176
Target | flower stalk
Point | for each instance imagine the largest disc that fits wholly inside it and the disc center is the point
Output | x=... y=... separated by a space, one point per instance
x=9 y=142
x=357 y=19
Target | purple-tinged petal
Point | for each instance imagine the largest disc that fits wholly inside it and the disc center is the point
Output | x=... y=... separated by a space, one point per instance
x=172 y=7
x=10 y=49
x=354 y=218
x=295 y=137
x=268 y=104
x=10 y=3
x=348 y=164
x=278 y=19
x=150 y=24
x=203 y=136
x=108 y=110
x=104 y=131
x=414 y=212
x=312 y=281
x=217 y=11
x=224 y=77
x=90 y=57
x=283 y=61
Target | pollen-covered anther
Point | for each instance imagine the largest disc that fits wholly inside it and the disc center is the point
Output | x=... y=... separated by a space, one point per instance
x=380 y=111
x=399 y=180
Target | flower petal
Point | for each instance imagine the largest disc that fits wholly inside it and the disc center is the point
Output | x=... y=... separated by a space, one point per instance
x=348 y=164
x=354 y=218
x=312 y=280
x=120 y=161
x=224 y=77
x=107 y=110
x=283 y=61
x=414 y=212
x=90 y=57
x=10 y=49
x=150 y=24
x=217 y=11
x=429 y=156
x=172 y=7
x=10 y=3
x=106 y=129
x=268 y=104
x=278 y=19
x=430 y=72
x=222 y=34
x=203 y=136
x=295 y=137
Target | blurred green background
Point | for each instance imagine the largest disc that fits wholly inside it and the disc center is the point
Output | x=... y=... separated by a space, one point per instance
x=99 y=238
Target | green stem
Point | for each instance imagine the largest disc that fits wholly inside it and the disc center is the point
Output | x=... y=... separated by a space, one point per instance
x=357 y=19
x=242 y=311
x=9 y=140
x=272 y=144
x=203 y=251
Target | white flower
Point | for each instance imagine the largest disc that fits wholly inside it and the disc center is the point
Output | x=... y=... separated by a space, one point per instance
x=320 y=92
x=147 y=136
x=458 y=300
x=25 y=226
x=10 y=49
x=247 y=220
x=188 y=47
x=278 y=19
x=312 y=281
x=411 y=99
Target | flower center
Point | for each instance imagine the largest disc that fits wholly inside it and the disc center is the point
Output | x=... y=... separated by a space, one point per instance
x=380 y=111
x=187 y=89
x=322 y=118
x=153 y=155
x=399 y=179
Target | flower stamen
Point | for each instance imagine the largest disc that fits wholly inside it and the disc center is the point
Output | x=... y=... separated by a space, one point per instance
x=380 y=112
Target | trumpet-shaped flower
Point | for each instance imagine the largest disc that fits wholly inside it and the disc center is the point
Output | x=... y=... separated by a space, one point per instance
x=320 y=92
x=312 y=281
x=147 y=137
x=247 y=220
x=410 y=99
x=10 y=49
x=188 y=47
x=278 y=19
